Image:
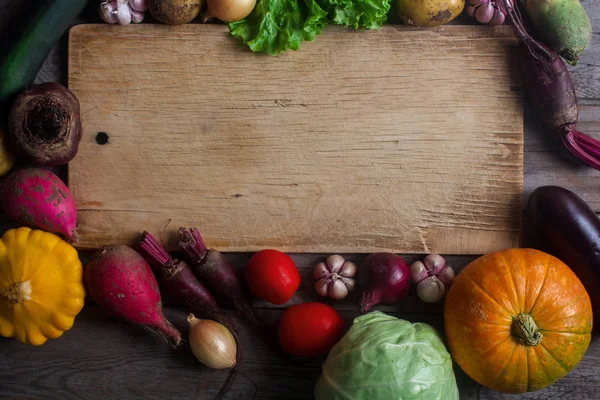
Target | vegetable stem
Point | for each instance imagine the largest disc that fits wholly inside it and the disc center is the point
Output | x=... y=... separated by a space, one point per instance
x=524 y=328
x=193 y=245
x=157 y=256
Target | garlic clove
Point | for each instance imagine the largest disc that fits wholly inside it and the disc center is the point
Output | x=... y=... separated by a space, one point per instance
x=434 y=263
x=338 y=290
x=447 y=276
x=335 y=262
x=321 y=271
x=108 y=12
x=418 y=272
x=137 y=16
x=349 y=282
x=139 y=5
x=123 y=12
x=348 y=269
x=322 y=286
x=431 y=290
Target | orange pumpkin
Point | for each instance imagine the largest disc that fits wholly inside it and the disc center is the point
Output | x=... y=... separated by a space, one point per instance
x=517 y=320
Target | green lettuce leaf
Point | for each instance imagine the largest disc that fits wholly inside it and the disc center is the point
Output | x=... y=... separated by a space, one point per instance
x=278 y=25
x=368 y=14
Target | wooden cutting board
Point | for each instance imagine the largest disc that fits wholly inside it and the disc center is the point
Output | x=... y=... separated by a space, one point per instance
x=398 y=139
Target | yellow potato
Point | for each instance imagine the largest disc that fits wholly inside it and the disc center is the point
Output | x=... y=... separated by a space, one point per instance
x=429 y=13
x=7 y=159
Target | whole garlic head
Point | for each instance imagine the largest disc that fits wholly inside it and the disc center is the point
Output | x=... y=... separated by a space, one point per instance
x=433 y=277
x=335 y=277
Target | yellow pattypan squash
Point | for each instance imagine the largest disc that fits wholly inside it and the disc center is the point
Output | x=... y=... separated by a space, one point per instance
x=41 y=285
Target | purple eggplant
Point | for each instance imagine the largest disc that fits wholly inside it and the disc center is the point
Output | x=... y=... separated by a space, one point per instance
x=560 y=223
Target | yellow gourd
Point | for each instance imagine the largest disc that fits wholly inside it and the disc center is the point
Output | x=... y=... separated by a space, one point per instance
x=41 y=285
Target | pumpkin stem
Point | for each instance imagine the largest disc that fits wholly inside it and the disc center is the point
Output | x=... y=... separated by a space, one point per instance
x=524 y=328
x=17 y=292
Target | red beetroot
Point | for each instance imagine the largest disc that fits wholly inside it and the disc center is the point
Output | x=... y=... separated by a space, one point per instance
x=211 y=267
x=178 y=280
x=36 y=197
x=551 y=92
x=122 y=284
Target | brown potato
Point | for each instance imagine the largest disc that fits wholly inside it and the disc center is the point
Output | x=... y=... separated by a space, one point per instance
x=429 y=13
x=175 y=12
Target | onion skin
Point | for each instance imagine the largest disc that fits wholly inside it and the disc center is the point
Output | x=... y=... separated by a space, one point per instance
x=228 y=10
x=44 y=124
x=7 y=159
x=385 y=279
x=212 y=343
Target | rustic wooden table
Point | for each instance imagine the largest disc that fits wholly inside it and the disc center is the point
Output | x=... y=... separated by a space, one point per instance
x=101 y=358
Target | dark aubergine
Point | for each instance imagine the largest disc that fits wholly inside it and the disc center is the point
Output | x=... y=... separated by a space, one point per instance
x=562 y=224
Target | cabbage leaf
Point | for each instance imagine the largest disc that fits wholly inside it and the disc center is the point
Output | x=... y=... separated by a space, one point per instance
x=385 y=358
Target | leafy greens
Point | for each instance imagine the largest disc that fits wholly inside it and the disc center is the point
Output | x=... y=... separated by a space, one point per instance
x=368 y=14
x=275 y=26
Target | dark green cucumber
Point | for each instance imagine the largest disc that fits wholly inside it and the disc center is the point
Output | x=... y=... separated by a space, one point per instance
x=22 y=60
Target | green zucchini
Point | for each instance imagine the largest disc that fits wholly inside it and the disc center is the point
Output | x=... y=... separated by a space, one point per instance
x=24 y=57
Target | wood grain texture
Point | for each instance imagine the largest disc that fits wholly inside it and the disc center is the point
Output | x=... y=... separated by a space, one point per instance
x=361 y=142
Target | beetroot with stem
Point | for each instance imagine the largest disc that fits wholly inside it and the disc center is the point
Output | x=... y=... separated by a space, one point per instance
x=551 y=92
x=178 y=280
x=211 y=267
x=122 y=284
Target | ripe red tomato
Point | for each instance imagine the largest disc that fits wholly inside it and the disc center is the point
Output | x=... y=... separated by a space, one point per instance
x=310 y=329
x=272 y=276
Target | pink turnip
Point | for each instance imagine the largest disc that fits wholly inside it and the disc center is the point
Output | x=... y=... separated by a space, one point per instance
x=36 y=197
x=122 y=284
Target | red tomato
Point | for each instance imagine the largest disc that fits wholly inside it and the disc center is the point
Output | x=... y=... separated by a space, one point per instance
x=272 y=276
x=310 y=329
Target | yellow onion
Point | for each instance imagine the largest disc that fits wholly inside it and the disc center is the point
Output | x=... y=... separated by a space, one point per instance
x=7 y=159
x=212 y=343
x=228 y=10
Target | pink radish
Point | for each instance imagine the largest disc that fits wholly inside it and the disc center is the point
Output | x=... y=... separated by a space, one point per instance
x=122 y=283
x=38 y=198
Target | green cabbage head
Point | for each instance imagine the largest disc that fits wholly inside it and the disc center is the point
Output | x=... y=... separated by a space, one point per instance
x=386 y=358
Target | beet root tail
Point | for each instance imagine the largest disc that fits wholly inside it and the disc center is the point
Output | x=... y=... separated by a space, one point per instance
x=168 y=332
x=583 y=147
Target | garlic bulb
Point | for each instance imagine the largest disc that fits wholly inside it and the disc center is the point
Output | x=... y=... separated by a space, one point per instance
x=334 y=277
x=123 y=12
x=432 y=277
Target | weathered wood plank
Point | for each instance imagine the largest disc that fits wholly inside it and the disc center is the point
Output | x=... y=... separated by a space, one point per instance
x=280 y=152
x=102 y=358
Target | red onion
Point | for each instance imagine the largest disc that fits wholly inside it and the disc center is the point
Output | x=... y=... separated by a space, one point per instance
x=384 y=279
